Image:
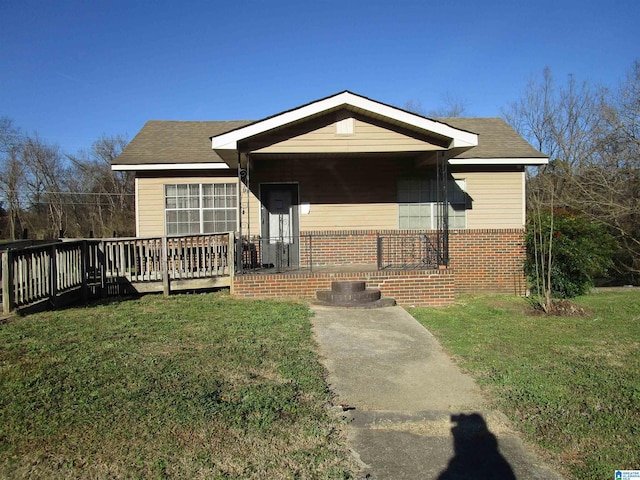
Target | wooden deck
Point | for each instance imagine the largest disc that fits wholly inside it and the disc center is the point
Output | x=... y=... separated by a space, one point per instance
x=67 y=271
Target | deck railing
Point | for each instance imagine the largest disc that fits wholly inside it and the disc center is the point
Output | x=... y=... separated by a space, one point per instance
x=406 y=252
x=48 y=272
x=309 y=252
x=148 y=259
x=67 y=271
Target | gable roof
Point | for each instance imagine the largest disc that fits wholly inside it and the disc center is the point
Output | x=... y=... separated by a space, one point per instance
x=457 y=138
x=168 y=144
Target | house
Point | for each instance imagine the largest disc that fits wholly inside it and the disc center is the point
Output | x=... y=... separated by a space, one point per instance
x=344 y=188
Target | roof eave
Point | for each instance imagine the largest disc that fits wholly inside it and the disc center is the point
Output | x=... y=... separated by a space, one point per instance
x=170 y=166
x=499 y=161
x=459 y=138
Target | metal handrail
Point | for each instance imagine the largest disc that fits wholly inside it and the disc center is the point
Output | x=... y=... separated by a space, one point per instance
x=419 y=250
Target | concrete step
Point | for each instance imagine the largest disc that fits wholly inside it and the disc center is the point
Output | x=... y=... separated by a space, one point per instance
x=363 y=296
x=348 y=286
x=353 y=294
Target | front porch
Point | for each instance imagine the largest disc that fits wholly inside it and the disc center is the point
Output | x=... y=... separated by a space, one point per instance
x=404 y=265
x=407 y=287
x=407 y=266
x=335 y=251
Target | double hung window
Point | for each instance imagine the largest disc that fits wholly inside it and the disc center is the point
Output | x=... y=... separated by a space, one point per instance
x=200 y=208
x=419 y=208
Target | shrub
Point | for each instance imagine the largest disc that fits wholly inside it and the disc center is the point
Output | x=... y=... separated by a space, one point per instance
x=581 y=250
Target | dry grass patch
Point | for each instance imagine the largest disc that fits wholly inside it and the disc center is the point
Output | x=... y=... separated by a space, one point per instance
x=193 y=386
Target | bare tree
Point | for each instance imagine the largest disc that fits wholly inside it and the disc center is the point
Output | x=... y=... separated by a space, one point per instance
x=452 y=107
x=11 y=174
x=608 y=188
x=592 y=139
x=415 y=106
x=109 y=194
x=49 y=192
x=562 y=122
x=46 y=175
x=542 y=255
x=533 y=114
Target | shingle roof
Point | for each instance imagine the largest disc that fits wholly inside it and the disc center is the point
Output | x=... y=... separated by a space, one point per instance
x=496 y=139
x=168 y=141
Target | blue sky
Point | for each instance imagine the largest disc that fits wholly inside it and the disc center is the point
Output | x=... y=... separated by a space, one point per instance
x=75 y=70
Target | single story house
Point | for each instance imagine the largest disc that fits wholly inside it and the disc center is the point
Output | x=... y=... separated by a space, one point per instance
x=343 y=188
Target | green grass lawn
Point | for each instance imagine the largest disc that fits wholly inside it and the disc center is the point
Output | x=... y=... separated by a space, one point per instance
x=191 y=386
x=572 y=385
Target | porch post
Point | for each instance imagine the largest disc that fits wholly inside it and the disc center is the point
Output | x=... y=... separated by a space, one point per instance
x=248 y=197
x=443 y=180
x=238 y=241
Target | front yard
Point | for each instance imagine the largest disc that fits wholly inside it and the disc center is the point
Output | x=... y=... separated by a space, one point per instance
x=191 y=386
x=572 y=385
x=204 y=386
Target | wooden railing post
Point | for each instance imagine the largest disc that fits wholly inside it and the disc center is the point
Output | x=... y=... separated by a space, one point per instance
x=53 y=258
x=231 y=247
x=7 y=282
x=102 y=264
x=166 y=288
x=84 y=261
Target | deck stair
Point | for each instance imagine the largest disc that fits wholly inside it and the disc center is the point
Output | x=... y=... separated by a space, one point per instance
x=353 y=294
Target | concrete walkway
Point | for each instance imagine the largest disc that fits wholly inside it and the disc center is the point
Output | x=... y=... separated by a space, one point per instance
x=412 y=414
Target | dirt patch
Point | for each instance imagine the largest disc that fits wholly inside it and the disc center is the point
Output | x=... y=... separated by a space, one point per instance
x=561 y=308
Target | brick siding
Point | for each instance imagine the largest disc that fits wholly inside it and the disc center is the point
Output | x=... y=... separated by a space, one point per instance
x=480 y=261
x=417 y=287
x=488 y=260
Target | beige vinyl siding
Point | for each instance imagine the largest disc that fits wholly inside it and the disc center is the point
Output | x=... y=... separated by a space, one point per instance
x=369 y=216
x=366 y=138
x=496 y=199
x=343 y=193
x=150 y=198
x=361 y=197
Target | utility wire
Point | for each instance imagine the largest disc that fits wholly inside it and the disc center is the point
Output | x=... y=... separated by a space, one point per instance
x=47 y=192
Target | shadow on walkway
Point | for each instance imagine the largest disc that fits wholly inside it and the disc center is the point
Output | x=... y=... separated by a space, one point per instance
x=476 y=452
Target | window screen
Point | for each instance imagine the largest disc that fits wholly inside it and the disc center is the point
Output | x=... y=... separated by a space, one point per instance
x=418 y=205
x=200 y=208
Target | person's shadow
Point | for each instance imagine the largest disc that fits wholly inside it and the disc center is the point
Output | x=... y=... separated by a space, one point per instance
x=476 y=452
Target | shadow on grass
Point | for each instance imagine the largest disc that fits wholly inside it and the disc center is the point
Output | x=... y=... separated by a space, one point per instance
x=113 y=298
x=476 y=452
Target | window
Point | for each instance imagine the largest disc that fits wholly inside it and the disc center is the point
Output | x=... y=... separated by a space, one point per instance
x=200 y=208
x=418 y=207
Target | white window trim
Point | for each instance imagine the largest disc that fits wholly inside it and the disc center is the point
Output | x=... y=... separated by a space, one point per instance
x=201 y=209
x=434 y=209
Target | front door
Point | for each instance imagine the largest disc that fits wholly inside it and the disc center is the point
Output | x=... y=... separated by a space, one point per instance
x=280 y=235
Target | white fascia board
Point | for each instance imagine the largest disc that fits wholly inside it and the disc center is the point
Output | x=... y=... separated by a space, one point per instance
x=229 y=141
x=171 y=166
x=498 y=161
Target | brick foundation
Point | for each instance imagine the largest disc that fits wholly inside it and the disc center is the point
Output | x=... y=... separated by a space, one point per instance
x=480 y=261
x=417 y=287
